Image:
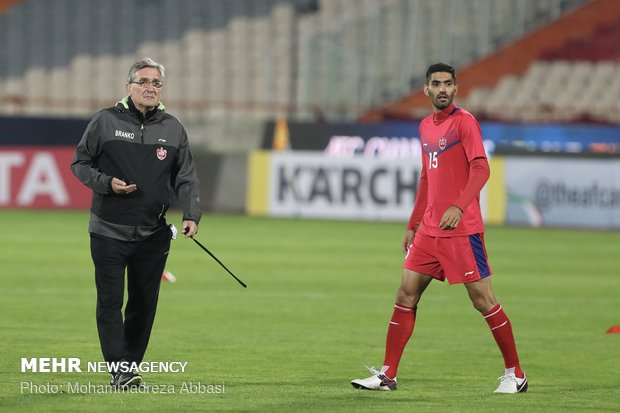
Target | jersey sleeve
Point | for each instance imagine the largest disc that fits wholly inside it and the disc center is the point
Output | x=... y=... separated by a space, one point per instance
x=478 y=176
x=471 y=138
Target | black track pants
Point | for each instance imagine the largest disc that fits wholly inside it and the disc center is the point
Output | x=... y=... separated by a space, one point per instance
x=145 y=262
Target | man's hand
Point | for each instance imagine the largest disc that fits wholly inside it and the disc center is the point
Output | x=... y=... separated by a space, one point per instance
x=407 y=238
x=189 y=228
x=121 y=188
x=451 y=218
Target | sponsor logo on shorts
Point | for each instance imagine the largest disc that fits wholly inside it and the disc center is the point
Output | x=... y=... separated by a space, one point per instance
x=469 y=273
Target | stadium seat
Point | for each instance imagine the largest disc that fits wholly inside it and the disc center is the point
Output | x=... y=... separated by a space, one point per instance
x=349 y=54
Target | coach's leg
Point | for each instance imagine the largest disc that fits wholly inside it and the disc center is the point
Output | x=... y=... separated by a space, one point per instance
x=402 y=322
x=110 y=259
x=483 y=299
x=143 y=280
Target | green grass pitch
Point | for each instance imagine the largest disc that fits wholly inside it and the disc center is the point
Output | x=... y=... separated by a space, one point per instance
x=316 y=310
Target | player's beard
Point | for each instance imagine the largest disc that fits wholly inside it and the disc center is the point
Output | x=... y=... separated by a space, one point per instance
x=443 y=103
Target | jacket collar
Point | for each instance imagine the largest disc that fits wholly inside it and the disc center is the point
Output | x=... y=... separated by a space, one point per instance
x=127 y=104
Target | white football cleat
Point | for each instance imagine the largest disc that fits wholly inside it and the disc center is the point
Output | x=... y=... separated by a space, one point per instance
x=378 y=381
x=510 y=384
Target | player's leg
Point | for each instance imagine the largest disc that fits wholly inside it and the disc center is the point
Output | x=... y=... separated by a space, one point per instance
x=403 y=318
x=411 y=288
x=420 y=267
x=484 y=300
x=465 y=261
x=481 y=294
x=399 y=331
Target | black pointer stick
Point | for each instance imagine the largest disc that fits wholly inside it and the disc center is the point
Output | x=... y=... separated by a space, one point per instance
x=216 y=259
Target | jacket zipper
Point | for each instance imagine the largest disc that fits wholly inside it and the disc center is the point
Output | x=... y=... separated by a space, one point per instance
x=135 y=230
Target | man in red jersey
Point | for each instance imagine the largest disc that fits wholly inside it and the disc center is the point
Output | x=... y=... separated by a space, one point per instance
x=445 y=234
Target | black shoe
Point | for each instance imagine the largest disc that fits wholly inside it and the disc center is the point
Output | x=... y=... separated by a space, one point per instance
x=125 y=379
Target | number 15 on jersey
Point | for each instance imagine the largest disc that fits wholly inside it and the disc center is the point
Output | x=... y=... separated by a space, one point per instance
x=432 y=161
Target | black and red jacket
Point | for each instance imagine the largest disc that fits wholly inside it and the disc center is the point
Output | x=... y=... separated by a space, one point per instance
x=152 y=152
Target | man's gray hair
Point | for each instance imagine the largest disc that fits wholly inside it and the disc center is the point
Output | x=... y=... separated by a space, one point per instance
x=146 y=62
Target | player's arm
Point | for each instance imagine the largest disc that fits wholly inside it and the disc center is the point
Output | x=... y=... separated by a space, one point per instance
x=417 y=214
x=479 y=173
x=471 y=139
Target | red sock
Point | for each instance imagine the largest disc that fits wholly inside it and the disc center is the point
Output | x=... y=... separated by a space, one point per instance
x=399 y=331
x=501 y=329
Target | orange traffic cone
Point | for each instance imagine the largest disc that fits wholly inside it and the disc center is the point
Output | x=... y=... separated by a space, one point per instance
x=614 y=330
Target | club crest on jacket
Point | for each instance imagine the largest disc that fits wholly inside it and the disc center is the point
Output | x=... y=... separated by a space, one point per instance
x=162 y=153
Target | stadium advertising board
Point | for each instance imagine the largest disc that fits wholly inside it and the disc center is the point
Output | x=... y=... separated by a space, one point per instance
x=35 y=160
x=40 y=177
x=383 y=140
x=563 y=192
x=308 y=184
x=311 y=185
x=400 y=139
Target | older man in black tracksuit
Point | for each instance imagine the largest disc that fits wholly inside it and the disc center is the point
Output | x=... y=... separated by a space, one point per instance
x=130 y=155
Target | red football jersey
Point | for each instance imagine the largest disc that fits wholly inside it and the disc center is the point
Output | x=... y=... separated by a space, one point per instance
x=451 y=139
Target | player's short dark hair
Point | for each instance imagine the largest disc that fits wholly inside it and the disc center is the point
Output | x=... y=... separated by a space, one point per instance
x=440 y=67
